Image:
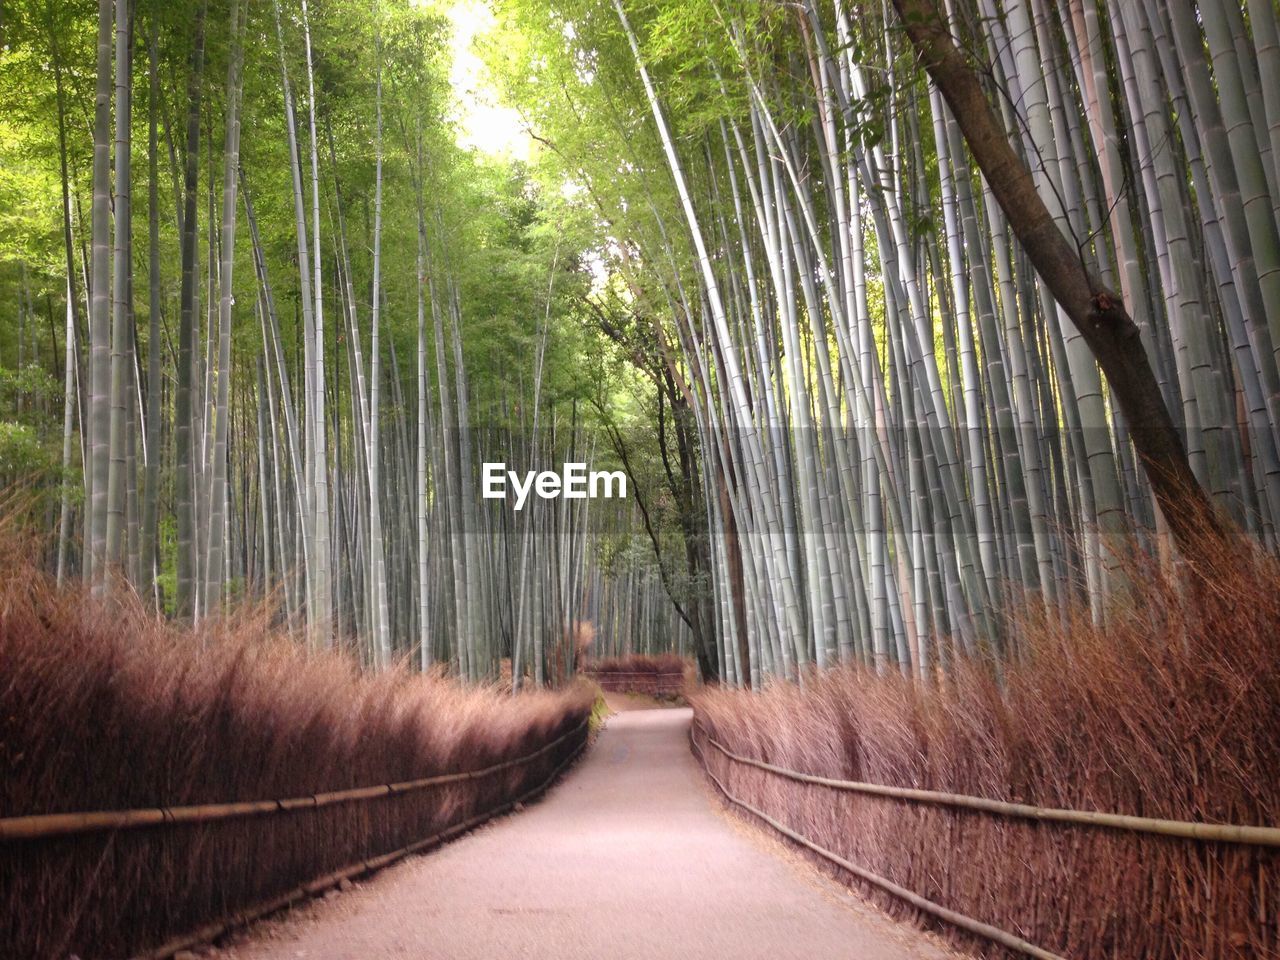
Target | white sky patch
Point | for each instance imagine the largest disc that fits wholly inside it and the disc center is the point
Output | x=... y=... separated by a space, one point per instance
x=484 y=122
x=599 y=270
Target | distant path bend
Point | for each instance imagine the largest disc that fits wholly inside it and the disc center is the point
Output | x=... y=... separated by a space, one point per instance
x=625 y=859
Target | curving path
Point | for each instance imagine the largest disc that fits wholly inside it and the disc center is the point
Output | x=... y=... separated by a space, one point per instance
x=626 y=858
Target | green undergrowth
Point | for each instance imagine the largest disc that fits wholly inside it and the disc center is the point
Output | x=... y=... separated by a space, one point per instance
x=599 y=712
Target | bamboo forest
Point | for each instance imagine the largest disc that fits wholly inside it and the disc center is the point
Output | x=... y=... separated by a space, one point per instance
x=758 y=478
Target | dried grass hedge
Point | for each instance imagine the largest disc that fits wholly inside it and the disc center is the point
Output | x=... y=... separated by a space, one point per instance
x=662 y=674
x=105 y=708
x=1165 y=713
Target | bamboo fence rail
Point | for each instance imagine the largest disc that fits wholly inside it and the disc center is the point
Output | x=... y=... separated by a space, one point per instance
x=37 y=826
x=1187 y=829
x=314 y=887
x=655 y=674
x=656 y=683
x=994 y=934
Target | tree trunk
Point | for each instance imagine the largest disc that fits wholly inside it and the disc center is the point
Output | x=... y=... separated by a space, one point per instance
x=1098 y=313
x=151 y=492
x=215 y=570
x=184 y=435
x=121 y=305
x=99 y=307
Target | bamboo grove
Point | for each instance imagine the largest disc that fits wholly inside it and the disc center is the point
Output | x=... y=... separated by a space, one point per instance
x=903 y=421
x=281 y=317
x=895 y=313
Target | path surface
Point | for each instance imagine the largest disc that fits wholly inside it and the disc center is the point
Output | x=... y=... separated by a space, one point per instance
x=626 y=859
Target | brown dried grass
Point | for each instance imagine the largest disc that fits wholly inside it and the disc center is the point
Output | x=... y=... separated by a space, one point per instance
x=1171 y=710
x=103 y=707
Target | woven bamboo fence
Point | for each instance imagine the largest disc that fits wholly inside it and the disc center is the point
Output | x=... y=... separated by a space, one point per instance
x=653 y=684
x=184 y=875
x=968 y=835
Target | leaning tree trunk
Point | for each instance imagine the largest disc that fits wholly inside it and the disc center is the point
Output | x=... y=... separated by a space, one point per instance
x=1098 y=313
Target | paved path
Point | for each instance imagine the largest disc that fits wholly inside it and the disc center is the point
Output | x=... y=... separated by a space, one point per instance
x=625 y=859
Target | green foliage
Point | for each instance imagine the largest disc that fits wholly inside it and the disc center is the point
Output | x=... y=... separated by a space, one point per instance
x=28 y=388
x=30 y=451
x=21 y=452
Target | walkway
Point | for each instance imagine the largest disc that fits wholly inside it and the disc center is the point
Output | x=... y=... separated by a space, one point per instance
x=626 y=859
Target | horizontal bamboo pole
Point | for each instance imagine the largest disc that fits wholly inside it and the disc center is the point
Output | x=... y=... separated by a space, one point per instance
x=994 y=934
x=668 y=675
x=37 y=826
x=1187 y=829
x=315 y=887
